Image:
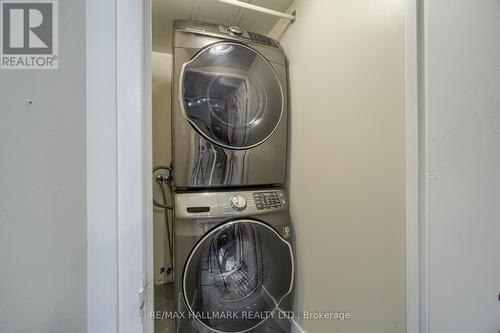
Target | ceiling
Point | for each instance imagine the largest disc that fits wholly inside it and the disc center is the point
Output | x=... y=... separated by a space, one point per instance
x=166 y=11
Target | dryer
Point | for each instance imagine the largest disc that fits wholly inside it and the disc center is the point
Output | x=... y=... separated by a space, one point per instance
x=229 y=107
x=234 y=261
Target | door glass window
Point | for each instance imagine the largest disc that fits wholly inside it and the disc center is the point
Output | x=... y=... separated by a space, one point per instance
x=231 y=95
x=242 y=267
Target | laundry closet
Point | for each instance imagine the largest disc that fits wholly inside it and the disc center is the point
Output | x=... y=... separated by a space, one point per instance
x=315 y=166
x=263 y=150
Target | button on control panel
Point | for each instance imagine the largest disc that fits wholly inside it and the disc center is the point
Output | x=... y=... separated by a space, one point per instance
x=266 y=200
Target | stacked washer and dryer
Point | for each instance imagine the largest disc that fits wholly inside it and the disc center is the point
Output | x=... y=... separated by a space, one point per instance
x=234 y=261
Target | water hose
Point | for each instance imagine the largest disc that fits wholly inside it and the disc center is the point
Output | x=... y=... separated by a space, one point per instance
x=161 y=180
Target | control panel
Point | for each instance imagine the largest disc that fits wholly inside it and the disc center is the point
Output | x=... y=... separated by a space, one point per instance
x=255 y=37
x=224 y=31
x=228 y=204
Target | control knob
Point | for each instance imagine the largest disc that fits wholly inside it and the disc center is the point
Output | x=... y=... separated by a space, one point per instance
x=238 y=202
x=234 y=30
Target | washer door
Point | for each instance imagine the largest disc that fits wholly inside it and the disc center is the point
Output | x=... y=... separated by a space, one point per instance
x=237 y=275
x=232 y=96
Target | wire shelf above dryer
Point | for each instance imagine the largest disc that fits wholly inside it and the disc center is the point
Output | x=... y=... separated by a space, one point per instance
x=260 y=9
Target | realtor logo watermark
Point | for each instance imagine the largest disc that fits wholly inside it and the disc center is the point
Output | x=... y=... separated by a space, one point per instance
x=29 y=34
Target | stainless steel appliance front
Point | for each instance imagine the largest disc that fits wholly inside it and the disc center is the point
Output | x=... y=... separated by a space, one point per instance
x=233 y=254
x=229 y=108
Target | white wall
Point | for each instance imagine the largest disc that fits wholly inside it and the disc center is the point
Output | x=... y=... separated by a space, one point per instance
x=346 y=66
x=43 y=189
x=462 y=68
x=162 y=77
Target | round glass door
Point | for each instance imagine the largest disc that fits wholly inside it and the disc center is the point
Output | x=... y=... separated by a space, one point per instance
x=231 y=94
x=237 y=275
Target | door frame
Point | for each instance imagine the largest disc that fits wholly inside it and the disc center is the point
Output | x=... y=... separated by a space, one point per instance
x=119 y=166
x=416 y=216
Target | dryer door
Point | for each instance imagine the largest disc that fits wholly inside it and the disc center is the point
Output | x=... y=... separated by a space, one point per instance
x=231 y=95
x=237 y=275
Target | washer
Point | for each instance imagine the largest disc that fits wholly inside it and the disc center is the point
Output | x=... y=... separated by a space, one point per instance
x=234 y=261
x=229 y=107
